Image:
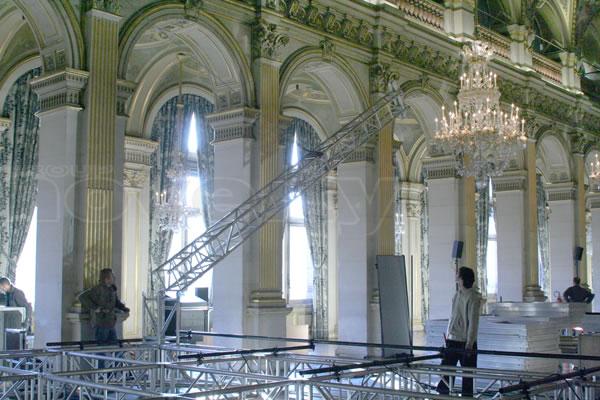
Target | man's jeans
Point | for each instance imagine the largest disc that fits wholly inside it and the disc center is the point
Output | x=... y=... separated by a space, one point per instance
x=451 y=358
x=105 y=336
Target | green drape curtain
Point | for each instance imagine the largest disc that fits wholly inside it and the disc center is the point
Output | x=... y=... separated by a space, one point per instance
x=425 y=250
x=543 y=238
x=18 y=171
x=482 y=213
x=164 y=130
x=398 y=215
x=314 y=202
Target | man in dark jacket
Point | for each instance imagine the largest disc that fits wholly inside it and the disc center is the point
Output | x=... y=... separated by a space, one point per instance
x=578 y=294
x=103 y=304
x=16 y=298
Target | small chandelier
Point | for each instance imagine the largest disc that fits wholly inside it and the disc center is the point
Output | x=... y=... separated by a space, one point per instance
x=170 y=204
x=482 y=136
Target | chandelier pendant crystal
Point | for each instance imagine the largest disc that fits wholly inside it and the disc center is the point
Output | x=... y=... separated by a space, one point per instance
x=169 y=205
x=477 y=131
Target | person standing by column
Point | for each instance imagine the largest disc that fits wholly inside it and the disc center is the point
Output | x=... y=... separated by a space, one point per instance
x=16 y=298
x=103 y=304
x=461 y=341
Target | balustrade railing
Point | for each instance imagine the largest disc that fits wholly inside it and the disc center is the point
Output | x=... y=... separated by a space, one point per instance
x=425 y=11
x=500 y=44
x=547 y=68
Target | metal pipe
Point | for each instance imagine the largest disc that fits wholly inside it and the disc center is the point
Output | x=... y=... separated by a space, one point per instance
x=524 y=386
x=404 y=347
x=275 y=350
x=82 y=343
x=378 y=363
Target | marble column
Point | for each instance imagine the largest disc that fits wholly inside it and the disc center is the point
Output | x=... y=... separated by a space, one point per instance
x=99 y=212
x=561 y=225
x=532 y=290
x=134 y=274
x=510 y=215
x=580 y=211
x=412 y=210
x=459 y=18
x=234 y=150
x=57 y=275
x=444 y=229
x=594 y=206
x=356 y=255
x=268 y=311
x=520 y=44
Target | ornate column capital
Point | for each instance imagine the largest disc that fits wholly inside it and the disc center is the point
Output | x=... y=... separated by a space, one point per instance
x=411 y=190
x=439 y=167
x=233 y=124
x=125 y=89
x=364 y=154
x=510 y=182
x=60 y=89
x=266 y=41
x=5 y=124
x=108 y=6
x=138 y=161
x=380 y=77
x=139 y=151
x=593 y=200
x=561 y=191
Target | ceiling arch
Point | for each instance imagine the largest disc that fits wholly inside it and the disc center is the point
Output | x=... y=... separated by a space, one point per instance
x=157 y=33
x=553 y=159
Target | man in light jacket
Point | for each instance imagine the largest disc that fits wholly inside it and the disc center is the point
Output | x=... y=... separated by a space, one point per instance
x=462 y=330
x=16 y=298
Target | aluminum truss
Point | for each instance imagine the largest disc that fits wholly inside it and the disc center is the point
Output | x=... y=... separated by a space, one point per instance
x=224 y=236
x=132 y=372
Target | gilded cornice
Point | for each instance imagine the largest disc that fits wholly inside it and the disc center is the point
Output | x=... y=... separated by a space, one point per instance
x=59 y=89
x=439 y=167
x=139 y=150
x=233 y=124
x=561 y=191
x=510 y=182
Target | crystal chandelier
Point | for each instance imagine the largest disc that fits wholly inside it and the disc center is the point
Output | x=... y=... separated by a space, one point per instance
x=482 y=136
x=170 y=204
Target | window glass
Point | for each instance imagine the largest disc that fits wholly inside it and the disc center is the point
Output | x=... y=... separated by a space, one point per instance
x=25 y=274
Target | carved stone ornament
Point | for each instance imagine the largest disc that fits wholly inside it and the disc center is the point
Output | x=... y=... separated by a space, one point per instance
x=266 y=41
x=380 y=76
x=111 y=6
x=414 y=209
x=193 y=8
x=134 y=178
x=327 y=49
x=579 y=142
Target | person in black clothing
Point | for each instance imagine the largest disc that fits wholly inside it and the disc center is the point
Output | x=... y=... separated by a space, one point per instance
x=578 y=294
x=16 y=298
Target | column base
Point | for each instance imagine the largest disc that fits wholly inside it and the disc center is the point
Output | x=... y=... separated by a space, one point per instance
x=267 y=321
x=267 y=298
x=533 y=293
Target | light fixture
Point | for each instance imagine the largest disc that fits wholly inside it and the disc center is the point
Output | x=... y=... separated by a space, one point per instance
x=170 y=203
x=477 y=131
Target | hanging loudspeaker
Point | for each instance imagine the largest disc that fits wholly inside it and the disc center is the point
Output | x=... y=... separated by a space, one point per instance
x=457 y=249
x=578 y=253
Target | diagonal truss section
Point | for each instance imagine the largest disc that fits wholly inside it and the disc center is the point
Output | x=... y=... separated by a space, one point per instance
x=224 y=236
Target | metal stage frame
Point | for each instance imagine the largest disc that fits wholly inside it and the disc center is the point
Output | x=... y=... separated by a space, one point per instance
x=159 y=371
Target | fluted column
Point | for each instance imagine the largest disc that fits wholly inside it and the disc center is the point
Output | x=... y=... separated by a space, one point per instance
x=561 y=226
x=444 y=229
x=58 y=276
x=594 y=206
x=234 y=145
x=134 y=274
x=267 y=299
x=580 y=211
x=100 y=115
x=532 y=290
